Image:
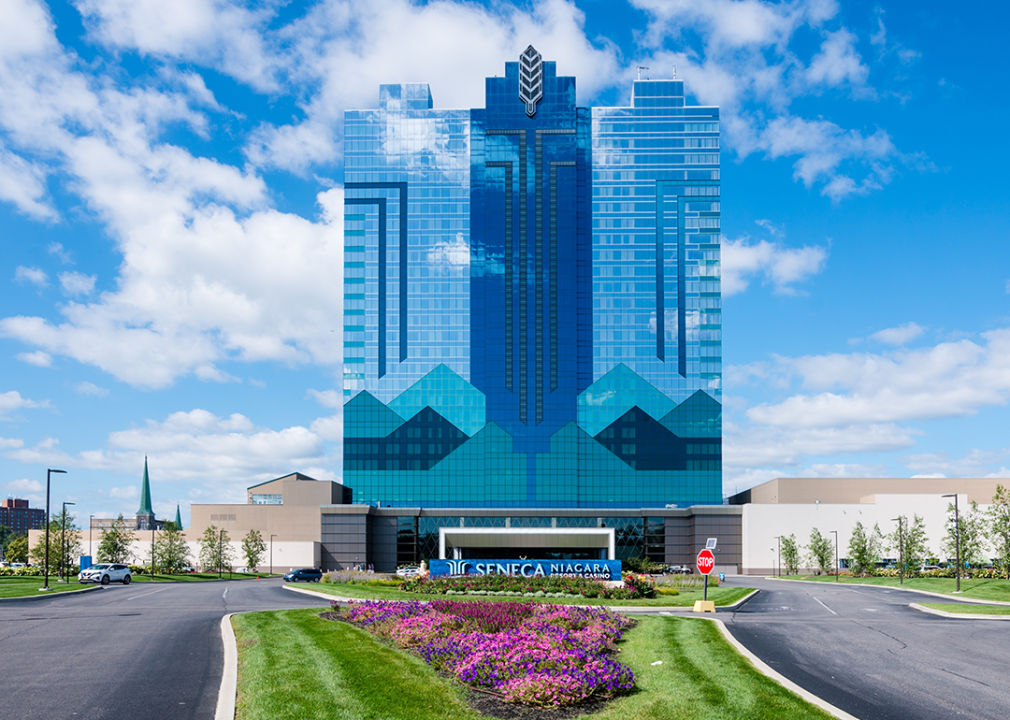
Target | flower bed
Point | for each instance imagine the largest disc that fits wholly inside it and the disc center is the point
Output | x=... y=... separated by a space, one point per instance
x=634 y=586
x=542 y=655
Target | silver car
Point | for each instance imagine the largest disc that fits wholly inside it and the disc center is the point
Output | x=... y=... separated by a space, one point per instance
x=105 y=573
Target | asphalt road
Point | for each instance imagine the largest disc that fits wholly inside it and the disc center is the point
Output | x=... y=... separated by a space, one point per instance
x=865 y=651
x=126 y=652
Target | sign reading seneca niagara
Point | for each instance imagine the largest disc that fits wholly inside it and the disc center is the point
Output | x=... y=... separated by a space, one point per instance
x=591 y=569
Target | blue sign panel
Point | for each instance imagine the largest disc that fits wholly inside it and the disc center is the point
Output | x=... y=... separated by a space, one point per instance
x=590 y=569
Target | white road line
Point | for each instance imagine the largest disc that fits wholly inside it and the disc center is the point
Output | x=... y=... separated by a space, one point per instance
x=826 y=607
x=146 y=594
x=224 y=594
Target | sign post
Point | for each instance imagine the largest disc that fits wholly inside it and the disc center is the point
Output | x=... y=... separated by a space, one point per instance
x=706 y=563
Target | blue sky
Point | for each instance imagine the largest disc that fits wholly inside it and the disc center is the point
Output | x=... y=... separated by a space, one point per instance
x=170 y=192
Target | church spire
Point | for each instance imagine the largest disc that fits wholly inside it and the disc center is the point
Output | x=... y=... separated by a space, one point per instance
x=178 y=518
x=145 y=494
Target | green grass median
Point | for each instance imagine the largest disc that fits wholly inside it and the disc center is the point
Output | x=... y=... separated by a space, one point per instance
x=980 y=589
x=294 y=665
x=11 y=587
x=969 y=608
x=721 y=596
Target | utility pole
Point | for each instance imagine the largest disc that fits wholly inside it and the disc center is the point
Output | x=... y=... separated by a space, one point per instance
x=63 y=545
x=836 y=553
x=957 y=542
x=901 y=553
x=49 y=473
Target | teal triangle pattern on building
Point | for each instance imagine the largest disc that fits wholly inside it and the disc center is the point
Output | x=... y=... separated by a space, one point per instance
x=449 y=395
x=145 y=493
x=614 y=394
x=698 y=416
x=365 y=416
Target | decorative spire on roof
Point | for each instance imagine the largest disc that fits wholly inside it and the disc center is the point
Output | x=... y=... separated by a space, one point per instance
x=178 y=518
x=145 y=494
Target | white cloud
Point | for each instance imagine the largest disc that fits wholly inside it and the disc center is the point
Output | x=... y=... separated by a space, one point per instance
x=59 y=251
x=328 y=398
x=24 y=486
x=761 y=446
x=87 y=388
x=898 y=335
x=37 y=358
x=75 y=283
x=12 y=400
x=127 y=493
x=975 y=463
x=11 y=443
x=23 y=183
x=773 y=262
x=33 y=275
x=838 y=62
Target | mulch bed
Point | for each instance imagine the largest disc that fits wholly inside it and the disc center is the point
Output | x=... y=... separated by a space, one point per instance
x=490 y=704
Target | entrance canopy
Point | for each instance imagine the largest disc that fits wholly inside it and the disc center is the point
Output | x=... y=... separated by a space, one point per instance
x=451 y=541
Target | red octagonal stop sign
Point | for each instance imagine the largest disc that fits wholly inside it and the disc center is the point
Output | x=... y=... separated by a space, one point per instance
x=706 y=561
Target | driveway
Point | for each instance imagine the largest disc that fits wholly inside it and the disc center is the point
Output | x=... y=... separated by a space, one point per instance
x=127 y=652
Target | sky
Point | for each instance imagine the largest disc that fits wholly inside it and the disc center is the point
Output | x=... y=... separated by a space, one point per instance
x=171 y=203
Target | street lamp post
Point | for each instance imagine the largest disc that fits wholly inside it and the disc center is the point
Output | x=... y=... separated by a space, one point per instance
x=957 y=542
x=272 y=554
x=220 y=552
x=836 y=553
x=152 y=553
x=63 y=544
x=49 y=473
x=91 y=527
x=901 y=553
x=778 y=539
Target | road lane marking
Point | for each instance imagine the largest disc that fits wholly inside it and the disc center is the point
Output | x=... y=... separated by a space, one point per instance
x=826 y=607
x=146 y=594
x=225 y=594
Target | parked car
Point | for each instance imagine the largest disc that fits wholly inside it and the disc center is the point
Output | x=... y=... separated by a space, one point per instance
x=304 y=575
x=678 y=570
x=408 y=571
x=105 y=573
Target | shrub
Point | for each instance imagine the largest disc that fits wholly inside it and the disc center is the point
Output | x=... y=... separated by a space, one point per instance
x=639 y=586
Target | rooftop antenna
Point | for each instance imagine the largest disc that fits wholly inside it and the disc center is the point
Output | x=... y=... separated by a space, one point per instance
x=640 y=69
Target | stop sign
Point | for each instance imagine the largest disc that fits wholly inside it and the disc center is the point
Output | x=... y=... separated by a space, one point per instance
x=706 y=562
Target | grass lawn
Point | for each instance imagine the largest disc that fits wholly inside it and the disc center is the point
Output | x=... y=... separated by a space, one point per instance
x=976 y=589
x=719 y=595
x=292 y=665
x=969 y=609
x=24 y=586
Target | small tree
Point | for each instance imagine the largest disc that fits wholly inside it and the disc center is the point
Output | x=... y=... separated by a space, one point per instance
x=253 y=548
x=5 y=534
x=998 y=528
x=912 y=546
x=819 y=551
x=790 y=554
x=60 y=554
x=971 y=527
x=215 y=549
x=17 y=548
x=864 y=548
x=171 y=552
x=116 y=541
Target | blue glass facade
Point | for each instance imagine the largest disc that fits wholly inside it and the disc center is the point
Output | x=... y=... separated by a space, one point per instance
x=532 y=304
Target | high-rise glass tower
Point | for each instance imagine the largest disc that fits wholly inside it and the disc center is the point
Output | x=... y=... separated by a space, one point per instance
x=532 y=298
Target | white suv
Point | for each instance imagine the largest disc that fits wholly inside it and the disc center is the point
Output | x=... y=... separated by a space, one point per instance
x=106 y=573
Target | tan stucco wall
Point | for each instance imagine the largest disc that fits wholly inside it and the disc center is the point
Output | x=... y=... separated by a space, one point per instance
x=801 y=491
x=291 y=523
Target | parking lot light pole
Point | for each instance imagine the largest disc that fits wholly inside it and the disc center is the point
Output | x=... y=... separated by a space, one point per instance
x=63 y=545
x=778 y=539
x=220 y=552
x=901 y=553
x=272 y=554
x=91 y=523
x=957 y=542
x=49 y=473
x=836 y=553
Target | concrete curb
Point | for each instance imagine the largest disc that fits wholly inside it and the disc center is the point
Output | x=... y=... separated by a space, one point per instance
x=229 y=677
x=960 y=616
x=627 y=609
x=788 y=684
x=50 y=596
x=957 y=598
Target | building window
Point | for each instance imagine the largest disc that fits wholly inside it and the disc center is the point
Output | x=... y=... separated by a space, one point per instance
x=267 y=499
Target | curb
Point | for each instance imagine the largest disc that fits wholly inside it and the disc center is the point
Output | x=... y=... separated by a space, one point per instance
x=229 y=676
x=788 y=684
x=53 y=595
x=957 y=598
x=626 y=609
x=960 y=616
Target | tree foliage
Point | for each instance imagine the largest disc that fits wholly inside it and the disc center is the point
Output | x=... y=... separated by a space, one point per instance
x=17 y=548
x=61 y=555
x=790 y=554
x=253 y=548
x=116 y=541
x=998 y=528
x=171 y=553
x=215 y=549
x=865 y=547
x=912 y=546
x=971 y=527
x=820 y=553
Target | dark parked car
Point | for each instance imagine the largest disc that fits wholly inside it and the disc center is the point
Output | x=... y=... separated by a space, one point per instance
x=304 y=575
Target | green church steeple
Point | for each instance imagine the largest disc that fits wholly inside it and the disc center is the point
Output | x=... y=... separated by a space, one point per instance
x=145 y=494
x=178 y=518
